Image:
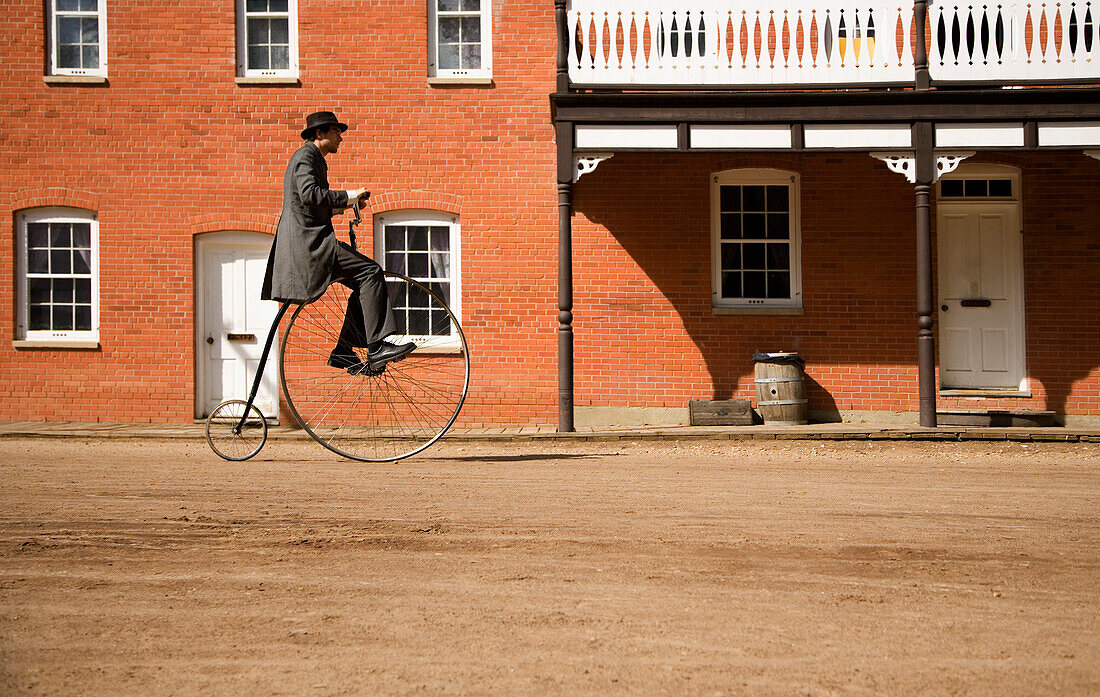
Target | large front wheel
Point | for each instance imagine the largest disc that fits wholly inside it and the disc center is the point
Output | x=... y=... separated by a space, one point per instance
x=386 y=415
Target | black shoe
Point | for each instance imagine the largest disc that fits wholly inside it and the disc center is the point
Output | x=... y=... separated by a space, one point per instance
x=388 y=353
x=344 y=360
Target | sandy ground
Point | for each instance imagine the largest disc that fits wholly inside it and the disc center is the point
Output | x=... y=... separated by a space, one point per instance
x=731 y=568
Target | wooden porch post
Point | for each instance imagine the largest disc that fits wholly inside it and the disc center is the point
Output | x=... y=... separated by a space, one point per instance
x=564 y=131
x=925 y=166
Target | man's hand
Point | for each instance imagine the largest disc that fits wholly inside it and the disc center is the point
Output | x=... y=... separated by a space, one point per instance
x=357 y=196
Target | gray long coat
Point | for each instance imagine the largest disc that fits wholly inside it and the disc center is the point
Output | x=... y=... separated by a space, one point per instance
x=302 y=255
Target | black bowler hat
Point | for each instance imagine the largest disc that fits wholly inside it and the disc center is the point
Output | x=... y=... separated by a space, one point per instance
x=321 y=119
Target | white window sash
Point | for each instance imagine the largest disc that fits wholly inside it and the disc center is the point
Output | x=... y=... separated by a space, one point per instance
x=22 y=304
x=428 y=218
x=434 y=68
x=54 y=42
x=291 y=15
x=757 y=177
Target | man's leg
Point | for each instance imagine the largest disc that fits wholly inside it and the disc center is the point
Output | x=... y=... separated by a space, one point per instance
x=368 y=319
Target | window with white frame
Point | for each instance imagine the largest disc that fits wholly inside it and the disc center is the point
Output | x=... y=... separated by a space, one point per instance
x=77 y=33
x=57 y=268
x=422 y=245
x=267 y=38
x=755 y=239
x=460 y=38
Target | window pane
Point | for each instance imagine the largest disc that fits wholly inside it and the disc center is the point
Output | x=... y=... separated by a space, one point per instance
x=1000 y=187
x=82 y=261
x=778 y=198
x=39 y=290
x=258 y=58
x=280 y=31
x=68 y=56
x=420 y=322
x=753 y=198
x=779 y=257
x=731 y=257
x=779 y=284
x=38 y=235
x=443 y=290
x=778 y=226
x=89 y=30
x=471 y=29
x=448 y=56
x=448 y=5
x=731 y=226
x=280 y=57
x=89 y=5
x=441 y=323
x=278 y=6
x=417 y=297
x=753 y=226
x=731 y=285
x=395 y=261
x=418 y=265
x=62 y=317
x=471 y=5
x=63 y=290
x=976 y=187
x=471 y=56
x=38 y=261
x=755 y=284
x=68 y=5
x=441 y=265
x=61 y=261
x=395 y=238
x=39 y=317
x=753 y=256
x=398 y=294
x=82 y=320
x=449 y=30
x=731 y=198
x=68 y=30
x=418 y=238
x=82 y=235
x=440 y=239
x=256 y=6
x=951 y=187
x=83 y=288
x=90 y=57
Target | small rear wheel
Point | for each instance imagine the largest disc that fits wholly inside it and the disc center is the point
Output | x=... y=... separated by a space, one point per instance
x=231 y=434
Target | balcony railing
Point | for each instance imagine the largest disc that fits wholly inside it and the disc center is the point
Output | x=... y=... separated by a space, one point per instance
x=726 y=43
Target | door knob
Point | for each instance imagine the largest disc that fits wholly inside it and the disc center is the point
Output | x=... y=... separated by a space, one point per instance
x=210 y=340
x=943 y=308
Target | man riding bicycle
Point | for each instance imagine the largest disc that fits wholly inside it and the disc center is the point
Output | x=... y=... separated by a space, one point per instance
x=306 y=257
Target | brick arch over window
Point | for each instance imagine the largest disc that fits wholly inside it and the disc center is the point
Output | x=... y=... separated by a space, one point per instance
x=415 y=199
x=220 y=221
x=790 y=163
x=54 y=196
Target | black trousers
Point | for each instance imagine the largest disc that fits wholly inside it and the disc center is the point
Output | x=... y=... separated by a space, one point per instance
x=368 y=318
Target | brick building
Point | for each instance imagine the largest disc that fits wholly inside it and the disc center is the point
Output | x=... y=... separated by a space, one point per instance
x=920 y=225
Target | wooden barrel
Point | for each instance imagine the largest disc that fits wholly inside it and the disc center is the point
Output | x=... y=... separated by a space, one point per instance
x=780 y=393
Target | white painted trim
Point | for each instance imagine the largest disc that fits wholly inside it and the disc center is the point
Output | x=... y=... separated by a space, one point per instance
x=769 y=136
x=583 y=164
x=52 y=45
x=754 y=177
x=460 y=76
x=242 y=44
x=980 y=135
x=1094 y=154
x=60 y=339
x=857 y=136
x=600 y=137
x=1069 y=133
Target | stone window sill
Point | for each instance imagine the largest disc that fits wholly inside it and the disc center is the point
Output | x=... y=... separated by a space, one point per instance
x=55 y=344
x=75 y=79
x=272 y=80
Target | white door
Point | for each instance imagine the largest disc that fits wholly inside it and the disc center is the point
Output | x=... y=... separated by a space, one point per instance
x=980 y=295
x=232 y=322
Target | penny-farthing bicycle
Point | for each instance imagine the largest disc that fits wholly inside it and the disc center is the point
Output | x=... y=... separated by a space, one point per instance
x=375 y=415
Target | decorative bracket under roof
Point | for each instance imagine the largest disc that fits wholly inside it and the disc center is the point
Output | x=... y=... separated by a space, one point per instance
x=1094 y=154
x=583 y=164
x=905 y=163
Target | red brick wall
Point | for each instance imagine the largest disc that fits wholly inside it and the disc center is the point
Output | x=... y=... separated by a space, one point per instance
x=646 y=335
x=173 y=147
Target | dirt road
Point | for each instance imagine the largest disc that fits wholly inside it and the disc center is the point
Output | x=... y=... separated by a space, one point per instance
x=734 y=568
